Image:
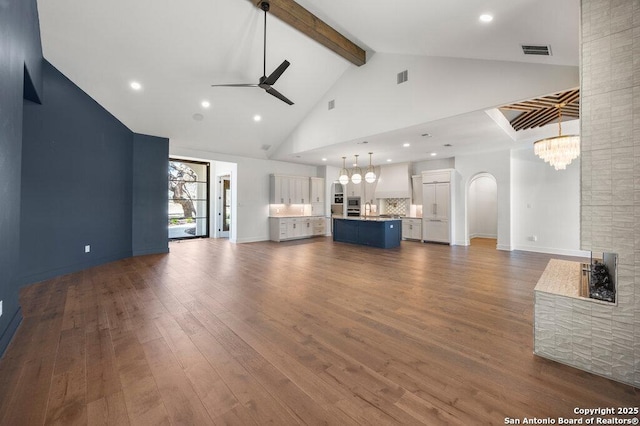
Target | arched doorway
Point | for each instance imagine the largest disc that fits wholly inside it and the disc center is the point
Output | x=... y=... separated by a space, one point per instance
x=482 y=210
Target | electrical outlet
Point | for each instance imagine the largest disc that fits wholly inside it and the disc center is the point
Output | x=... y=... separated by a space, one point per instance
x=87 y=248
x=533 y=238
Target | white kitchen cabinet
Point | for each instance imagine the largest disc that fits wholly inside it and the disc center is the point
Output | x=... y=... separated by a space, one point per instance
x=291 y=228
x=354 y=190
x=436 y=218
x=416 y=190
x=411 y=228
x=317 y=190
x=289 y=190
x=319 y=226
x=438 y=205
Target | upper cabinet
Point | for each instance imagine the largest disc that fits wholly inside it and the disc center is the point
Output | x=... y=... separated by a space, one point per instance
x=354 y=190
x=416 y=190
x=289 y=190
x=317 y=190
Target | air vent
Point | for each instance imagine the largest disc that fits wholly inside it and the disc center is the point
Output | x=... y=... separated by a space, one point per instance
x=403 y=76
x=530 y=49
x=332 y=104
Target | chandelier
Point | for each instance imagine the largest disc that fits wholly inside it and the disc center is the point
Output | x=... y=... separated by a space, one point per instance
x=370 y=175
x=343 y=177
x=356 y=173
x=559 y=150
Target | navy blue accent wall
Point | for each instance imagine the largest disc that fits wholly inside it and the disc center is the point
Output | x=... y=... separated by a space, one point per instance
x=71 y=174
x=150 y=182
x=76 y=182
x=20 y=50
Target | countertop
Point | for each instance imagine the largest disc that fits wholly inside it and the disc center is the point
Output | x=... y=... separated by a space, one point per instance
x=367 y=218
x=561 y=277
x=298 y=216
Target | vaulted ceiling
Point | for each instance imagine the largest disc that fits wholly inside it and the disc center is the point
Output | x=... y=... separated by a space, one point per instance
x=177 y=50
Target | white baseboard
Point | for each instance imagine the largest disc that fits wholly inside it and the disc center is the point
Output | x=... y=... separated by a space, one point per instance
x=504 y=247
x=552 y=250
x=483 y=236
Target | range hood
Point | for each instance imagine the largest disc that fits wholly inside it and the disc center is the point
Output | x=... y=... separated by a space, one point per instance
x=394 y=181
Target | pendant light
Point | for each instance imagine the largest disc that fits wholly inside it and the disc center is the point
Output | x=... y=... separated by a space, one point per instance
x=370 y=175
x=344 y=173
x=356 y=174
x=560 y=150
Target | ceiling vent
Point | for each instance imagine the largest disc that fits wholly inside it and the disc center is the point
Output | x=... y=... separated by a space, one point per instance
x=403 y=76
x=332 y=104
x=532 y=49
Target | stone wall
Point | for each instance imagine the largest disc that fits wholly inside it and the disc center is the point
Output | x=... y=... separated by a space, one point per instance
x=598 y=337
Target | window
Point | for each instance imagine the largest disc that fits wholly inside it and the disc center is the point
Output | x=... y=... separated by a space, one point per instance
x=188 y=199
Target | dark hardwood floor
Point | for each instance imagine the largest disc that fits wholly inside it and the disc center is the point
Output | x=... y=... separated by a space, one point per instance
x=303 y=332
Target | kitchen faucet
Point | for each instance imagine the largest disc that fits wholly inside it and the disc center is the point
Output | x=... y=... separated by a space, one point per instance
x=367 y=206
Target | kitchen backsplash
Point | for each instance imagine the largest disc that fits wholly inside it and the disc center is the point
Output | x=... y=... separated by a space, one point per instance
x=285 y=210
x=395 y=206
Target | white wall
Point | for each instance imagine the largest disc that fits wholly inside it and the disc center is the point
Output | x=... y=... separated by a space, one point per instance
x=498 y=165
x=545 y=204
x=368 y=100
x=251 y=189
x=482 y=208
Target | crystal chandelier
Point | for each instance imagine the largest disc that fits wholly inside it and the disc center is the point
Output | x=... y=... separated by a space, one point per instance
x=559 y=150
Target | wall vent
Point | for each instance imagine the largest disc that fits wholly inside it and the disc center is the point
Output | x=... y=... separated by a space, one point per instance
x=540 y=50
x=332 y=104
x=403 y=76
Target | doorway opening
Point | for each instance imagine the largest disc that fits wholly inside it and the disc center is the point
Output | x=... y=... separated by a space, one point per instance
x=482 y=210
x=224 y=206
x=188 y=199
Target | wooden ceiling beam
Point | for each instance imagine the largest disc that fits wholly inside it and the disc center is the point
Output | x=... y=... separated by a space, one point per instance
x=307 y=23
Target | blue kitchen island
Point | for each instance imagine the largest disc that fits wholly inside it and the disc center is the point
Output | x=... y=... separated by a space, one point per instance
x=374 y=232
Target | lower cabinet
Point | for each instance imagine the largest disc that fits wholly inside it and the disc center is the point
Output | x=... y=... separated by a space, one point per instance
x=291 y=228
x=412 y=229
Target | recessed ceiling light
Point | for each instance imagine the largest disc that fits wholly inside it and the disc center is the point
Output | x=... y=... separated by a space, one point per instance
x=257 y=118
x=433 y=154
x=426 y=135
x=205 y=104
x=485 y=17
x=324 y=159
x=447 y=145
x=389 y=160
x=406 y=144
x=135 y=85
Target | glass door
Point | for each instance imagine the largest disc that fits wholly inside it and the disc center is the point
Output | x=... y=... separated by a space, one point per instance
x=224 y=212
x=188 y=199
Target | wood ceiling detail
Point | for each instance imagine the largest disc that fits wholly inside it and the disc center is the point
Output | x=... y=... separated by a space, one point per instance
x=307 y=23
x=541 y=111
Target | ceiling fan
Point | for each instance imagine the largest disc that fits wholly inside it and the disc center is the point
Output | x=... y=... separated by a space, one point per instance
x=265 y=82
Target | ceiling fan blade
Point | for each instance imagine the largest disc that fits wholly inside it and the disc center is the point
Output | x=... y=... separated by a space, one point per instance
x=235 y=85
x=278 y=95
x=275 y=75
